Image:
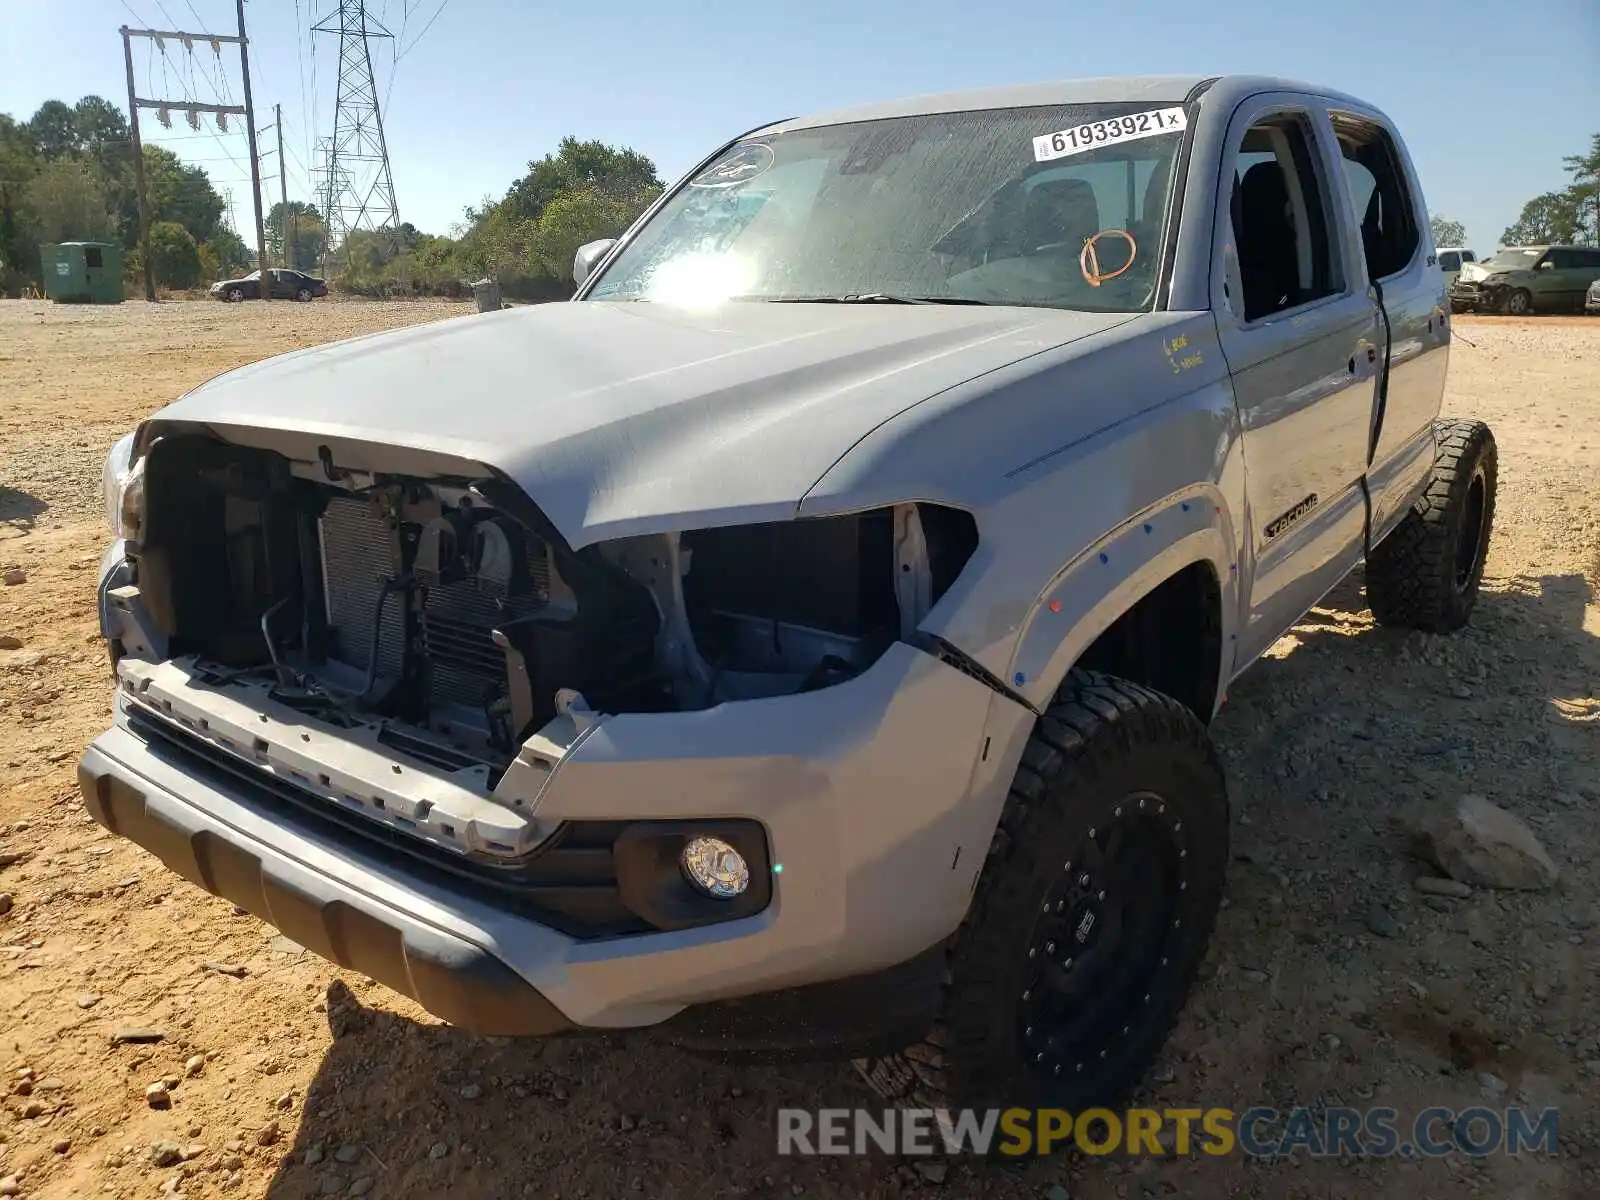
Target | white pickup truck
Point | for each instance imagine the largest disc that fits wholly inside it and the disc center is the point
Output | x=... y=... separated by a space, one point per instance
x=805 y=639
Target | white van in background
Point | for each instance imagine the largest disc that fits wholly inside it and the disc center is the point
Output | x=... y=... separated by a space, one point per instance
x=1450 y=260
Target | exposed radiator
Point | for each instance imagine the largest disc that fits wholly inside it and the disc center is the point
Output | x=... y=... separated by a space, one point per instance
x=361 y=549
x=465 y=665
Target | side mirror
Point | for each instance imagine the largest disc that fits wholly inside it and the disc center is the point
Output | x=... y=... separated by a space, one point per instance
x=1547 y=265
x=588 y=254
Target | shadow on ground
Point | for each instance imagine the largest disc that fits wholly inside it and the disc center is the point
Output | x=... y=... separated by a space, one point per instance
x=20 y=507
x=427 y=1110
x=1323 y=745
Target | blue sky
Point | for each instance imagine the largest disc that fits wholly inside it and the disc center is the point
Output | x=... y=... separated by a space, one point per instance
x=1490 y=96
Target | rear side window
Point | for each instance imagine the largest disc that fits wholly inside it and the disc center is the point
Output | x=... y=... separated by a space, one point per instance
x=1280 y=224
x=1468 y=256
x=1378 y=192
x=1450 y=261
x=1589 y=259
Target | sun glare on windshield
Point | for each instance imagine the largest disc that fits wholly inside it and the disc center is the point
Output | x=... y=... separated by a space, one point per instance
x=701 y=279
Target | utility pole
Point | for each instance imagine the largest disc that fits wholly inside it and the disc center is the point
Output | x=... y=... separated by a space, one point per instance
x=255 y=163
x=138 y=171
x=162 y=107
x=283 y=190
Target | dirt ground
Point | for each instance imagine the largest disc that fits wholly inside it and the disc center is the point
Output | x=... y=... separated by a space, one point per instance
x=1331 y=980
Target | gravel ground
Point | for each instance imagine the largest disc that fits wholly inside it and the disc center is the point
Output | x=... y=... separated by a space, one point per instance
x=1332 y=980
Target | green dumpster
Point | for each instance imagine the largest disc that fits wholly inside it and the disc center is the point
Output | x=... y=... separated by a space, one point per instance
x=82 y=272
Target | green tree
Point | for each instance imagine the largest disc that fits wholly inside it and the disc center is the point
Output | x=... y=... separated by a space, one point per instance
x=52 y=130
x=1447 y=232
x=66 y=202
x=95 y=122
x=101 y=132
x=1585 y=172
x=231 y=256
x=179 y=193
x=18 y=164
x=174 y=257
x=577 y=217
x=305 y=227
x=500 y=243
x=1550 y=218
x=620 y=173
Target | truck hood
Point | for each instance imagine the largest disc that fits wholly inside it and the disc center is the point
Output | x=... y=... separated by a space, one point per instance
x=620 y=418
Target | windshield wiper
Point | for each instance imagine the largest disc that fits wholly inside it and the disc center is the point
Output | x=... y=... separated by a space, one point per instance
x=872 y=298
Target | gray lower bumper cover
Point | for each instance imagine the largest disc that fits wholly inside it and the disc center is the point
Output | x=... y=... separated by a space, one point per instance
x=448 y=975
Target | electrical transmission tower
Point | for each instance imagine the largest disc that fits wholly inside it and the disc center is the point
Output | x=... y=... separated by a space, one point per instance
x=358 y=189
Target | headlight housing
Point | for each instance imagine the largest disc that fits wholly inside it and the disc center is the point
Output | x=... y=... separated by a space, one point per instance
x=122 y=487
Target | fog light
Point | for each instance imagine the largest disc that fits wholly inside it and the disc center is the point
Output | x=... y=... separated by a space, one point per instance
x=715 y=867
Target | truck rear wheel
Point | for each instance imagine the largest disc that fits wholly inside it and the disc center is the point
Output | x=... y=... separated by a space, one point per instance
x=1425 y=574
x=1091 y=915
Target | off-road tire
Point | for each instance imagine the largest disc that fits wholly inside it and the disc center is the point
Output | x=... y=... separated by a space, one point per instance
x=1518 y=303
x=1425 y=574
x=1103 y=751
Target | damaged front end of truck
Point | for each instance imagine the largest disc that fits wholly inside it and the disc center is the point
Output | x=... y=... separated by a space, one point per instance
x=418 y=649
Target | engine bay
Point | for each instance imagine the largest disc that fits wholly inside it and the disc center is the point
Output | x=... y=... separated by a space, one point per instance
x=451 y=611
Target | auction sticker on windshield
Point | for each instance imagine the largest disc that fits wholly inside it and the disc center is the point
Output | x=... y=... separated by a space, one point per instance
x=740 y=166
x=1093 y=134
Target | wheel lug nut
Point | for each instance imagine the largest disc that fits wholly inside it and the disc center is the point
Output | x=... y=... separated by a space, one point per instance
x=1050 y=948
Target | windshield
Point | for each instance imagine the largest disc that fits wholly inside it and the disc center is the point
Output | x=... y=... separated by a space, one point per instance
x=1517 y=257
x=1060 y=207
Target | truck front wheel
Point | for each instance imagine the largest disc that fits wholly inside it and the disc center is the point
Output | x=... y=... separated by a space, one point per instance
x=1091 y=914
x=1425 y=574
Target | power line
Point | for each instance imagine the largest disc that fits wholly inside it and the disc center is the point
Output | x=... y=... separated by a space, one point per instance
x=307 y=117
x=402 y=53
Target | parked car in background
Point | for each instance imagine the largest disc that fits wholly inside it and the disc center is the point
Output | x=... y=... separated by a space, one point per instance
x=1525 y=279
x=285 y=284
x=1451 y=259
x=1591 y=302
